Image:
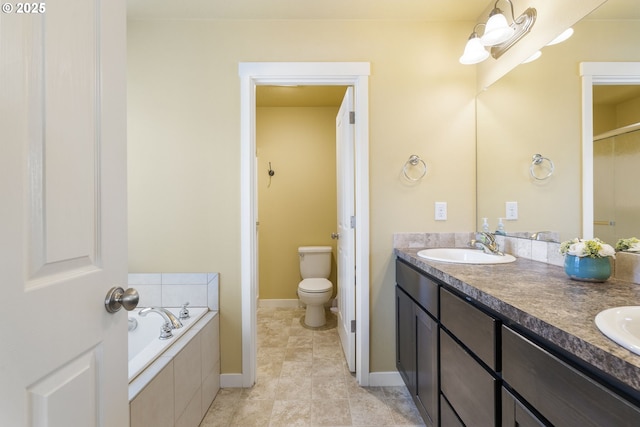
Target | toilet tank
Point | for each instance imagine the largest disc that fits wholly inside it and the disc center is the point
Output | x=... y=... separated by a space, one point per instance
x=315 y=262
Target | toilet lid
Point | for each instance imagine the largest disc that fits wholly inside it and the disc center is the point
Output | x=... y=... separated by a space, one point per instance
x=315 y=285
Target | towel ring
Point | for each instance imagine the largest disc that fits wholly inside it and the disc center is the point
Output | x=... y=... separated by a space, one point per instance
x=414 y=160
x=538 y=160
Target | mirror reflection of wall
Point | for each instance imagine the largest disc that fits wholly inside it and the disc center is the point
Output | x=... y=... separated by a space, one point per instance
x=536 y=108
x=616 y=151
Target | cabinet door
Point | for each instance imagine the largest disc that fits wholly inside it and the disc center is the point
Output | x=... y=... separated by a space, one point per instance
x=514 y=414
x=406 y=339
x=448 y=417
x=469 y=388
x=427 y=366
x=560 y=393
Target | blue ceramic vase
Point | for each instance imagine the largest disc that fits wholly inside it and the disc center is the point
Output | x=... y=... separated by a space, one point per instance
x=587 y=269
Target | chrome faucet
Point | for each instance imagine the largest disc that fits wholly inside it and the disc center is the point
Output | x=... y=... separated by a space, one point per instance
x=536 y=235
x=170 y=320
x=487 y=242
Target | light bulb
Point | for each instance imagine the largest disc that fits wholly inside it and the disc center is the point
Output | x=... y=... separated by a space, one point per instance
x=474 y=51
x=562 y=37
x=497 y=30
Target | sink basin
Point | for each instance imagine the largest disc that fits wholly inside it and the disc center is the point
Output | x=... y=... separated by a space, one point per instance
x=464 y=256
x=622 y=325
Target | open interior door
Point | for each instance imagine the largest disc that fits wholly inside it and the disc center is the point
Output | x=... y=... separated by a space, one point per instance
x=346 y=228
x=63 y=357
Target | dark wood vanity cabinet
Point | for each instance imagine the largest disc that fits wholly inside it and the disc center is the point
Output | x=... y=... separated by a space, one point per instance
x=559 y=392
x=466 y=365
x=468 y=361
x=515 y=414
x=417 y=339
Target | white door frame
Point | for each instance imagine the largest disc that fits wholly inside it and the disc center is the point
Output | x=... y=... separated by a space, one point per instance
x=603 y=73
x=252 y=74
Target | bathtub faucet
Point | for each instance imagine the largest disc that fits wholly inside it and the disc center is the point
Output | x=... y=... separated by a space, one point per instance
x=166 y=315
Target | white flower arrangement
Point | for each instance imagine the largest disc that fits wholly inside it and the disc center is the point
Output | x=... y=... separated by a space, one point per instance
x=628 y=245
x=593 y=248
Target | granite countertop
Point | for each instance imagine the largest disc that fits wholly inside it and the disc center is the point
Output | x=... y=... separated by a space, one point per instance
x=541 y=298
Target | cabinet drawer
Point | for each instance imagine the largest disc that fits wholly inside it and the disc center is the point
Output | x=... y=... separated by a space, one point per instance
x=514 y=414
x=422 y=289
x=469 y=388
x=474 y=328
x=562 y=394
x=448 y=418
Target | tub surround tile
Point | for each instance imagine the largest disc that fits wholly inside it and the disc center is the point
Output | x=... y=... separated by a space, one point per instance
x=150 y=295
x=187 y=372
x=145 y=279
x=193 y=384
x=141 y=381
x=541 y=298
x=175 y=289
x=185 y=278
x=213 y=288
x=192 y=414
x=210 y=386
x=155 y=408
x=177 y=295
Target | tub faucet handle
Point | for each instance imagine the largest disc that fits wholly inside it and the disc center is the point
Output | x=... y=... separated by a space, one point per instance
x=184 y=313
x=165 y=331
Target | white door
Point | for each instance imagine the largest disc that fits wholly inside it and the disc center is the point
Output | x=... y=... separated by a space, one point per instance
x=346 y=230
x=63 y=223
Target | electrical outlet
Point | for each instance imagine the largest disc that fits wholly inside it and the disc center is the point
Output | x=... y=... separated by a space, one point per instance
x=441 y=211
x=512 y=211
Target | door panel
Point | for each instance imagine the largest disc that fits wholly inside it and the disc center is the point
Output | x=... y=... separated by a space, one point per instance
x=63 y=221
x=346 y=241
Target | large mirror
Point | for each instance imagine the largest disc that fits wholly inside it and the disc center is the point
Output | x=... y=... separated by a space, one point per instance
x=536 y=109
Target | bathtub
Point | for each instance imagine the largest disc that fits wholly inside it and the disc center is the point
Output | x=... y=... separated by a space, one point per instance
x=145 y=346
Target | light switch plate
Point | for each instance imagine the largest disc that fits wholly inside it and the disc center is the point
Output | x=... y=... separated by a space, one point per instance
x=441 y=211
x=512 y=211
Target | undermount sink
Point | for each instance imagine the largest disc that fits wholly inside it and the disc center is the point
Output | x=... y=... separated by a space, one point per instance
x=464 y=256
x=621 y=325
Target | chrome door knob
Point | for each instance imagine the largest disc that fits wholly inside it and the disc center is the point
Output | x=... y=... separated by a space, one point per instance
x=117 y=298
x=335 y=236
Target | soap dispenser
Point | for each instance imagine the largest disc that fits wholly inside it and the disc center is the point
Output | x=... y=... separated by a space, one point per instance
x=485 y=225
x=500 y=229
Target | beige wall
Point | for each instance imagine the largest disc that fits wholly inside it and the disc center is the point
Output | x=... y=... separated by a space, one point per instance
x=184 y=144
x=297 y=206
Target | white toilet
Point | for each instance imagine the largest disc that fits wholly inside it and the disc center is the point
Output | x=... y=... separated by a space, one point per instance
x=315 y=289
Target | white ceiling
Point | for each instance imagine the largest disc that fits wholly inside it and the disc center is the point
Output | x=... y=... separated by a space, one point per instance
x=427 y=10
x=423 y=10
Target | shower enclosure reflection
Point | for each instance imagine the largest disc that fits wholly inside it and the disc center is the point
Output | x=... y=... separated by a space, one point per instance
x=616 y=156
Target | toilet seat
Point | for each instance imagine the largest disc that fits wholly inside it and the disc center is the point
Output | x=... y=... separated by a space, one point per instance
x=314 y=286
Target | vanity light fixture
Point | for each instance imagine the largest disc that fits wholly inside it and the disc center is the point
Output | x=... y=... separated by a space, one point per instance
x=498 y=34
x=562 y=37
x=474 y=51
x=533 y=57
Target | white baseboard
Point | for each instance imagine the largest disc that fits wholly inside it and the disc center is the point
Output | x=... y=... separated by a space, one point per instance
x=376 y=379
x=231 y=380
x=289 y=303
x=385 y=379
x=278 y=303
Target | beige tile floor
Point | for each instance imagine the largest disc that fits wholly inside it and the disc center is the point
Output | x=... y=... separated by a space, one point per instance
x=303 y=381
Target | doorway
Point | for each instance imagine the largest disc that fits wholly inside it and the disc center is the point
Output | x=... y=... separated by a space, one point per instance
x=597 y=73
x=307 y=73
